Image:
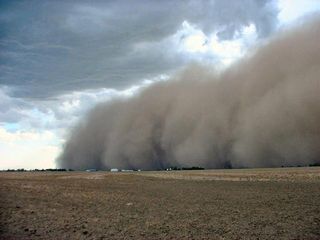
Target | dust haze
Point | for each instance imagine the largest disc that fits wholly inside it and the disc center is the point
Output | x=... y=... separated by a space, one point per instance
x=263 y=111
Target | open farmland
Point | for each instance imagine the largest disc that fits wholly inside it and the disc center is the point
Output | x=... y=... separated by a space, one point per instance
x=279 y=203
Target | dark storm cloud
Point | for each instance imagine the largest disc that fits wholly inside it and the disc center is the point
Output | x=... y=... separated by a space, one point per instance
x=261 y=112
x=52 y=47
x=11 y=109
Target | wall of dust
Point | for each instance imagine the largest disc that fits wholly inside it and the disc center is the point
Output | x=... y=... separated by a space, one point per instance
x=263 y=111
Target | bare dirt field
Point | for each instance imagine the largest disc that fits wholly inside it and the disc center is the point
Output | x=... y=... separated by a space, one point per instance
x=211 y=204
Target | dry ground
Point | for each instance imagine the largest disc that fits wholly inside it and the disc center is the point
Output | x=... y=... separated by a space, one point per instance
x=213 y=204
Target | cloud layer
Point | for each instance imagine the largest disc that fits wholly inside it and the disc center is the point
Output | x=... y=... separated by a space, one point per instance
x=261 y=112
x=50 y=48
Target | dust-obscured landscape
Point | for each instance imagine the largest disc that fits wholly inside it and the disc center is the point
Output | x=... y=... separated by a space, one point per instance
x=117 y=111
x=279 y=203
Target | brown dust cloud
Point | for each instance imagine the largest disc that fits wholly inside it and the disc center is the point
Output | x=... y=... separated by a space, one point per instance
x=263 y=111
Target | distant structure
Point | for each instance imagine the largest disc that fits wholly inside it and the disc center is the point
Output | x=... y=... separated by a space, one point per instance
x=114 y=170
x=91 y=170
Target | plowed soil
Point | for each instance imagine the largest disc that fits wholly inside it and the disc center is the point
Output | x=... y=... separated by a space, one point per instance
x=212 y=204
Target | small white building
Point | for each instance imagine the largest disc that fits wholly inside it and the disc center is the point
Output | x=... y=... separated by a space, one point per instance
x=114 y=170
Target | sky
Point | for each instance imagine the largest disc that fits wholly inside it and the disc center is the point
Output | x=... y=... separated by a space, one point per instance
x=58 y=59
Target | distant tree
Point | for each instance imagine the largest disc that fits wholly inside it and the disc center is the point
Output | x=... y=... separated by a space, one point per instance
x=193 y=168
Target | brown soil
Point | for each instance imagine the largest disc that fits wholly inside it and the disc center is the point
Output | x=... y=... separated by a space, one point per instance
x=217 y=204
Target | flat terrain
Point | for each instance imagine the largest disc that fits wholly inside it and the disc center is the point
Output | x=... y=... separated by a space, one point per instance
x=212 y=204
